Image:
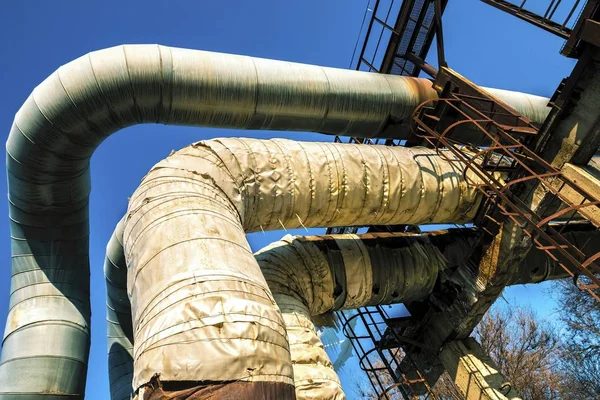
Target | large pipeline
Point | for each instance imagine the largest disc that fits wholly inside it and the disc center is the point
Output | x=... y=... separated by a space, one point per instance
x=55 y=132
x=191 y=213
x=309 y=276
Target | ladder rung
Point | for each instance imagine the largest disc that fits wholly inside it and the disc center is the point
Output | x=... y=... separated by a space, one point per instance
x=564 y=246
x=519 y=129
x=588 y=287
x=431 y=116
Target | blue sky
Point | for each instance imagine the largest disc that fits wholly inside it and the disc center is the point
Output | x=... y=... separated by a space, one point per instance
x=36 y=37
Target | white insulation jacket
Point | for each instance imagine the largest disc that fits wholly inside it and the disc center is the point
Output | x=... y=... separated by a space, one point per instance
x=194 y=285
x=314 y=275
x=314 y=376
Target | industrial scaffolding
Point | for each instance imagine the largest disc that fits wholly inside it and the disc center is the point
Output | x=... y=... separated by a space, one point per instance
x=395 y=38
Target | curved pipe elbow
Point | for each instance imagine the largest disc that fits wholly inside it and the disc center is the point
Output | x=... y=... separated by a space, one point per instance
x=68 y=115
x=192 y=210
x=301 y=273
x=312 y=275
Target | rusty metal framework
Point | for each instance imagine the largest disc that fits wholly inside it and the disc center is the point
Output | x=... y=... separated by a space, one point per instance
x=576 y=21
x=462 y=103
x=581 y=44
x=581 y=29
x=500 y=150
x=377 y=339
x=408 y=27
x=552 y=15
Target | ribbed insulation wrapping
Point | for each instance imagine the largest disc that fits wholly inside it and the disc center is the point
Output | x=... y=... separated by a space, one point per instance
x=314 y=376
x=336 y=272
x=317 y=274
x=296 y=267
x=193 y=281
x=118 y=319
x=71 y=112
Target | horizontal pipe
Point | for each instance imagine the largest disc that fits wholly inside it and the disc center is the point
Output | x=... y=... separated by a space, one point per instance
x=313 y=275
x=335 y=272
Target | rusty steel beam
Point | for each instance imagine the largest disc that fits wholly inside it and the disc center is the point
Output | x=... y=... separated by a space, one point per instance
x=590 y=32
x=572 y=47
x=547 y=24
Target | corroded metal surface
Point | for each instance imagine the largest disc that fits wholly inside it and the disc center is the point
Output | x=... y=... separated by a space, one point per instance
x=157 y=390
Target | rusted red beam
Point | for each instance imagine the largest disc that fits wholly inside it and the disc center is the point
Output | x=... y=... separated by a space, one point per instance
x=499 y=193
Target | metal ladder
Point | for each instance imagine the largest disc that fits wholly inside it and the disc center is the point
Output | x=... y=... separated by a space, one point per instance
x=435 y=122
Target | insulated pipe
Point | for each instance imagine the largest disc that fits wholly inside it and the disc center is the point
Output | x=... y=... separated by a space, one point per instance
x=286 y=265
x=76 y=108
x=69 y=114
x=335 y=272
x=534 y=108
x=537 y=266
x=314 y=275
x=400 y=266
x=118 y=319
x=196 y=289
